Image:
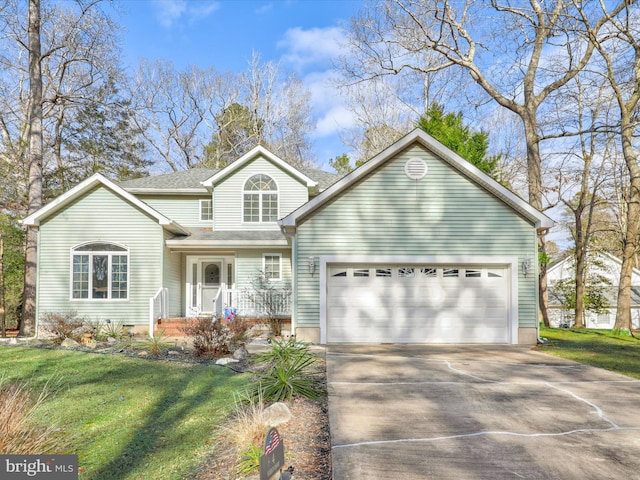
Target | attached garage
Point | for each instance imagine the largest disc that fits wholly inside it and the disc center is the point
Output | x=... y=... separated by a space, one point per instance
x=417 y=303
x=416 y=246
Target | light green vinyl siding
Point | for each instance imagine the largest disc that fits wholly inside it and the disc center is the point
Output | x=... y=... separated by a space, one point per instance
x=100 y=215
x=249 y=265
x=183 y=209
x=228 y=196
x=387 y=214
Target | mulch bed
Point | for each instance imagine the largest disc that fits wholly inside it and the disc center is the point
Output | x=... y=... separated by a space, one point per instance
x=307 y=446
x=306 y=438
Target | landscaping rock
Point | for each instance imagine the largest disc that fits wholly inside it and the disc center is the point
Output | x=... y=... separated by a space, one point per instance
x=111 y=340
x=69 y=342
x=226 y=361
x=143 y=353
x=241 y=353
x=277 y=414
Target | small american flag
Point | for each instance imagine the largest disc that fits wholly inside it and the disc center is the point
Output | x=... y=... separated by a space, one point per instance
x=273 y=440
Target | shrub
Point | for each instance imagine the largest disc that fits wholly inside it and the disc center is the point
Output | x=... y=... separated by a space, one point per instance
x=63 y=325
x=271 y=298
x=216 y=337
x=289 y=373
x=249 y=460
x=156 y=343
x=19 y=435
x=210 y=337
x=239 y=329
x=113 y=329
x=245 y=431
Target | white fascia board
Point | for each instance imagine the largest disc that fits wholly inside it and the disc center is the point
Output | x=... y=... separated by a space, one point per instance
x=459 y=163
x=253 y=153
x=86 y=185
x=165 y=191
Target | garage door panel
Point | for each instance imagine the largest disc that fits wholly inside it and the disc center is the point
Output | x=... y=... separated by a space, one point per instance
x=406 y=306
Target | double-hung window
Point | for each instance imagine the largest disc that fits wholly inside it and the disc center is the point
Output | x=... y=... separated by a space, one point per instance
x=272 y=266
x=260 y=199
x=100 y=271
x=206 y=210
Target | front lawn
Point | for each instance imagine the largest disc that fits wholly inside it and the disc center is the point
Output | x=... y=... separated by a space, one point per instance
x=599 y=348
x=129 y=418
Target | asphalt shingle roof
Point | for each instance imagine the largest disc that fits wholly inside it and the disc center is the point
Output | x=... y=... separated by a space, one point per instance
x=178 y=180
x=191 y=179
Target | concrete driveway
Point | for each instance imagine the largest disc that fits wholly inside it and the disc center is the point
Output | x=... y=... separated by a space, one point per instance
x=478 y=412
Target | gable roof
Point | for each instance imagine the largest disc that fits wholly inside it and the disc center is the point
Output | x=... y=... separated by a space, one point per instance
x=539 y=219
x=90 y=183
x=565 y=266
x=258 y=151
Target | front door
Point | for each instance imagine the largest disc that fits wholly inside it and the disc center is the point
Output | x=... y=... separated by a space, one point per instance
x=205 y=277
x=211 y=279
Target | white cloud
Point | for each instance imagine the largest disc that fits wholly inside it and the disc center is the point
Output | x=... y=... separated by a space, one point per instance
x=310 y=47
x=327 y=104
x=170 y=12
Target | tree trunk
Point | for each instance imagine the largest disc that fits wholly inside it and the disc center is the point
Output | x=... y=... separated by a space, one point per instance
x=534 y=178
x=3 y=325
x=579 y=276
x=28 y=318
x=623 y=314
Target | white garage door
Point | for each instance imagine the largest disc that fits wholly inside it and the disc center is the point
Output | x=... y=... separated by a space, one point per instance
x=417 y=304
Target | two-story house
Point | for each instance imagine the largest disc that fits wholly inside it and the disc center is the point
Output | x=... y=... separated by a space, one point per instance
x=415 y=246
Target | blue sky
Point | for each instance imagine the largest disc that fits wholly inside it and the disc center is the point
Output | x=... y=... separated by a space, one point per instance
x=302 y=35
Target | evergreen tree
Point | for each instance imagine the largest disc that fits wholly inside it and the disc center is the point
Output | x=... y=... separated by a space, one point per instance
x=450 y=130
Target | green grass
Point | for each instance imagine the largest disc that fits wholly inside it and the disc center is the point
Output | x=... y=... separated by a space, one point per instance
x=600 y=348
x=129 y=418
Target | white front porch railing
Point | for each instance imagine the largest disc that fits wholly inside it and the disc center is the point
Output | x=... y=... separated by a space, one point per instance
x=247 y=302
x=158 y=307
x=253 y=303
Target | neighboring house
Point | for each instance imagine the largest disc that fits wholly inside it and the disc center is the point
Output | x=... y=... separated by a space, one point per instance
x=417 y=246
x=605 y=269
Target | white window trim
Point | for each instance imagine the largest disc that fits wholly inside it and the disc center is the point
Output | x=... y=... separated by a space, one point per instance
x=109 y=253
x=260 y=196
x=200 y=210
x=264 y=263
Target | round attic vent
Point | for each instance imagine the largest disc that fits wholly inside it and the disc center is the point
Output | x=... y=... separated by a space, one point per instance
x=415 y=168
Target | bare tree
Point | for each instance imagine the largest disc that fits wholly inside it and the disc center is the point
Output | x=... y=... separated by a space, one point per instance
x=27 y=323
x=618 y=47
x=56 y=57
x=171 y=107
x=80 y=72
x=201 y=117
x=582 y=176
x=517 y=54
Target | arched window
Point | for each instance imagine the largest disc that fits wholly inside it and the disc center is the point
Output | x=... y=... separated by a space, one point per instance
x=99 y=270
x=260 y=199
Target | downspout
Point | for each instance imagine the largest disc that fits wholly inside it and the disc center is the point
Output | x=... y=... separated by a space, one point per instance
x=294 y=275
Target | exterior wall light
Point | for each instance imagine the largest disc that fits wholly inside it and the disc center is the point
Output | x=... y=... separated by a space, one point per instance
x=526 y=266
x=312 y=265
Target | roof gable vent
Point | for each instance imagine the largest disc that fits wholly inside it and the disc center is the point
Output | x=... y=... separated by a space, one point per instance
x=415 y=168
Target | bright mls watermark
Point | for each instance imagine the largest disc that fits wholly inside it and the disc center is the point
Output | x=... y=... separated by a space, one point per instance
x=39 y=467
